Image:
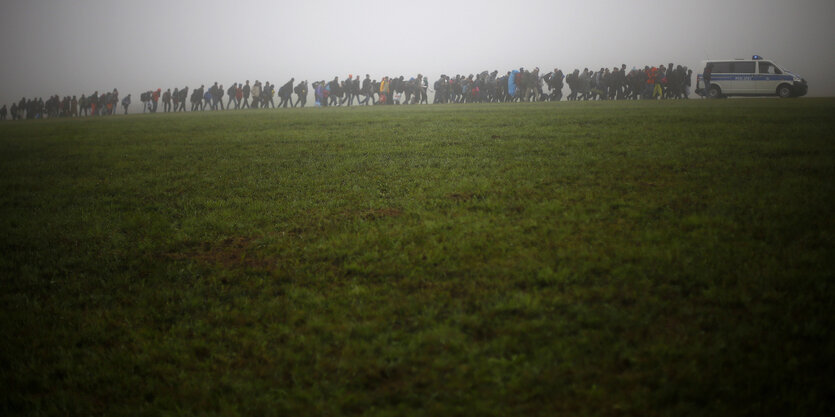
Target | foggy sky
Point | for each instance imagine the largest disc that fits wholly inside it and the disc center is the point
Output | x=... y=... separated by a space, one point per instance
x=72 y=47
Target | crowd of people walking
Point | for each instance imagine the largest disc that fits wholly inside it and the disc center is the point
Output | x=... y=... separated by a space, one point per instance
x=518 y=85
x=95 y=104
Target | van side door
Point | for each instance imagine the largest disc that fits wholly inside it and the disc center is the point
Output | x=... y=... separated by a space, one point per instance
x=743 y=77
x=722 y=76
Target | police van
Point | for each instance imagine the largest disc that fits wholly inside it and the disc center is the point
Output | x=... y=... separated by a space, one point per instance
x=750 y=77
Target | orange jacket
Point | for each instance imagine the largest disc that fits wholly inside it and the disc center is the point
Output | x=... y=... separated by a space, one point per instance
x=652 y=74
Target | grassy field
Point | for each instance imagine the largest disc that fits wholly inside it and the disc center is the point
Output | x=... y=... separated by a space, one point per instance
x=640 y=258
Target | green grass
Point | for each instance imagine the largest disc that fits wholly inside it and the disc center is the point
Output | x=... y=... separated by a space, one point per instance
x=640 y=258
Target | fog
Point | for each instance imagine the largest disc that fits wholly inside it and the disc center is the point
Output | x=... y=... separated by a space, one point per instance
x=76 y=47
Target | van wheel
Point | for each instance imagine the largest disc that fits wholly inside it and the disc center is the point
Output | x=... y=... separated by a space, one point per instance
x=784 y=91
x=714 y=92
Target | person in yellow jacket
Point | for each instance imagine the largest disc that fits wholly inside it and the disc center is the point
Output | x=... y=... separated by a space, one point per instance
x=384 y=90
x=658 y=77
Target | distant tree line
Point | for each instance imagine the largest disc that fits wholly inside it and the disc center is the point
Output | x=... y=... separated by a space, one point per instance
x=661 y=82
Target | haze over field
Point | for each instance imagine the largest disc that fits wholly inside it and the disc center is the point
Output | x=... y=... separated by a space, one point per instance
x=70 y=48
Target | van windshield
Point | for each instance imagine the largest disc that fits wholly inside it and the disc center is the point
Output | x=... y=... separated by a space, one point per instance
x=769 y=68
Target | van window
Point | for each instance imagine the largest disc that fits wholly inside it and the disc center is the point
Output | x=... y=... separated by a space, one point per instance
x=721 y=67
x=769 y=68
x=743 y=67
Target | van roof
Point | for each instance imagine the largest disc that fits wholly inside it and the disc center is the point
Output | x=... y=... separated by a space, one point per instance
x=754 y=58
x=732 y=59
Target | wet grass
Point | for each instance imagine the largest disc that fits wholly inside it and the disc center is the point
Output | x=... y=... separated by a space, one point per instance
x=542 y=259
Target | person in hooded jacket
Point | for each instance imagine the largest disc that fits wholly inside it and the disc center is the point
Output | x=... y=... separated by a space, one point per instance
x=268 y=93
x=207 y=99
x=231 y=92
x=246 y=90
x=285 y=93
x=301 y=93
x=126 y=103
x=166 y=101
x=367 y=90
x=183 y=98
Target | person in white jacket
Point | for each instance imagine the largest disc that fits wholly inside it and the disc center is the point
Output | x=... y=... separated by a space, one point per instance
x=256 y=94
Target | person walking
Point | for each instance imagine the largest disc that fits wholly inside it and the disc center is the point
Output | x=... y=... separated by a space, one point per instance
x=658 y=78
x=246 y=91
x=285 y=94
x=231 y=93
x=269 y=94
x=301 y=93
x=706 y=75
x=155 y=99
x=256 y=94
x=367 y=90
x=384 y=91
x=183 y=98
x=166 y=101
x=74 y=107
x=687 y=83
x=126 y=103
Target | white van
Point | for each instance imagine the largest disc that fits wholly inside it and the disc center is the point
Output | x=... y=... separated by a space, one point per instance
x=751 y=77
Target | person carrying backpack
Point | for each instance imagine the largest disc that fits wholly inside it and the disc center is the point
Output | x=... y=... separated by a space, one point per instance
x=166 y=101
x=145 y=98
x=126 y=103
x=155 y=98
x=231 y=93
x=246 y=91
x=301 y=93
x=706 y=78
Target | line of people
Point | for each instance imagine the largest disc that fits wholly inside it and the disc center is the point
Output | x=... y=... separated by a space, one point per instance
x=661 y=82
x=95 y=104
x=668 y=82
x=239 y=95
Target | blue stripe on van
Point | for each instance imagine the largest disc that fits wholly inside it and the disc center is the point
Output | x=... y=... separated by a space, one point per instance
x=749 y=77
